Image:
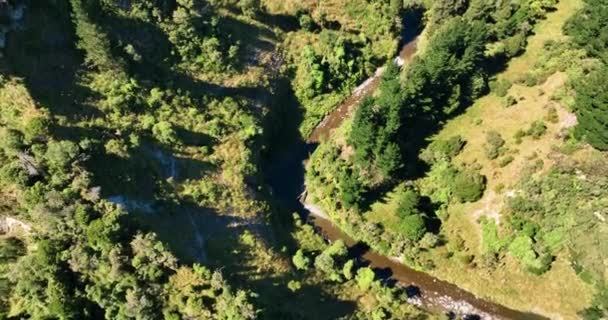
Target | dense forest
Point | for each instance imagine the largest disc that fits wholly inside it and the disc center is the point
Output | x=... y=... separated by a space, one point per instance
x=140 y=143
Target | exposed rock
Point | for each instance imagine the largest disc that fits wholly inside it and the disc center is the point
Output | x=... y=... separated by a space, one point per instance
x=10 y=225
x=29 y=165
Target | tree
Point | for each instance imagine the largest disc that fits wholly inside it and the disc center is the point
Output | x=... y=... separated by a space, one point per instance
x=468 y=185
x=412 y=223
x=11 y=141
x=164 y=132
x=588 y=28
x=591 y=106
x=93 y=40
x=60 y=154
x=365 y=278
x=300 y=260
x=351 y=188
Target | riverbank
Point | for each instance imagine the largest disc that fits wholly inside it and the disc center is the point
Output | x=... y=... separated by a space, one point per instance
x=507 y=283
x=423 y=289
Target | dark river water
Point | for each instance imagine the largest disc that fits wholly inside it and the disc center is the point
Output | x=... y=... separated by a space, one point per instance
x=286 y=178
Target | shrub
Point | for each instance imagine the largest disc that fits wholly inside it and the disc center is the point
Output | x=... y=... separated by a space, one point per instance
x=36 y=128
x=11 y=140
x=501 y=87
x=443 y=149
x=505 y=161
x=164 y=132
x=306 y=22
x=509 y=101
x=294 y=285
x=537 y=129
x=494 y=142
x=347 y=269
x=300 y=261
x=365 y=278
x=429 y=241
x=519 y=136
x=413 y=227
x=552 y=115
x=468 y=186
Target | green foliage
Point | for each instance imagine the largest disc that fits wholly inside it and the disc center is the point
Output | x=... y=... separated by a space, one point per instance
x=93 y=40
x=300 y=261
x=347 y=269
x=509 y=101
x=412 y=222
x=550 y=216
x=552 y=115
x=10 y=249
x=294 y=285
x=588 y=28
x=537 y=129
x=375 y=127
x=522 y=248
x=351 y=188
x=331 y=261
x=164 y=132
x=443 y=149
x=501 y=87
x=365 y=278
x=591 y=106
x=468 y=185
x=413 y=227
x=506 y=161
x=11 y=140
x=306 y=22
x=492 y=242
x=494 y=144
x=60 y=154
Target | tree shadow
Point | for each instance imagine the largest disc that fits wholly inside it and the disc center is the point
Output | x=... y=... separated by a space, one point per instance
x=43 y=55
x=287 y=23
x=192 y=138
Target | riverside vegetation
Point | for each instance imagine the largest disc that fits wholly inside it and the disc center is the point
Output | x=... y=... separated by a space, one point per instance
x=134 y=135
x=486 y=154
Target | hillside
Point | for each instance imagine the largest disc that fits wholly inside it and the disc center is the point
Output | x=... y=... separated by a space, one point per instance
x=156 y=159
x=499 y=194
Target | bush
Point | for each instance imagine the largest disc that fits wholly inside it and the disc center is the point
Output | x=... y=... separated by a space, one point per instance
x=36 y=128
x=509 y=101
x=505 y=161
x=443 y=149
x=11 y=140
x=501 y=87
x=300 y=261
x=537 y=129
x=552 y=115
x=164 y=132
x=413 y=227
x=365 y=278
x=493 y=145
x=306 y=22
x=468 y=186
x=429 y=241
x=294 y=285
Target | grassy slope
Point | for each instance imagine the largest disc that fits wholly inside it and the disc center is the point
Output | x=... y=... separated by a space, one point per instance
x=508 y=284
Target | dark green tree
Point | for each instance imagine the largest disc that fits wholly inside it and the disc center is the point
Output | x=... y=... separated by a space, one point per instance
x=591 y=106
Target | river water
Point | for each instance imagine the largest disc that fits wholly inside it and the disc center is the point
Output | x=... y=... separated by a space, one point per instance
x=285 y=176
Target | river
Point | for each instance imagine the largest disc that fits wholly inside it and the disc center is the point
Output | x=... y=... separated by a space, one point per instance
x=286 y=178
